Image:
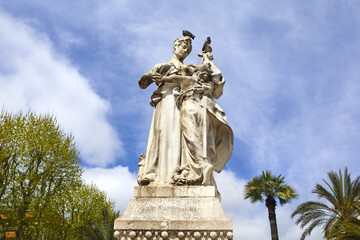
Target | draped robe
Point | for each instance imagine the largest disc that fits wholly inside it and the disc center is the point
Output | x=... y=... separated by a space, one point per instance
x=189 y=135
x=163 y=153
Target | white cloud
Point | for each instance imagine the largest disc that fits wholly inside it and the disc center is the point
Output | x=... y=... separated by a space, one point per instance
x=69 y=39
x=117 y=182
x=33 y=76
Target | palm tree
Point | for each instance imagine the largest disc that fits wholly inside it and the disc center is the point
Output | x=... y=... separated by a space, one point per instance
x=340 y=211
x=349 y=229
x=269 y=187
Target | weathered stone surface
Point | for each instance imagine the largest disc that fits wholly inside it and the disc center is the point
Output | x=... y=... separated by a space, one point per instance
x=174 y=235
x=174 y=212
x=170 y=191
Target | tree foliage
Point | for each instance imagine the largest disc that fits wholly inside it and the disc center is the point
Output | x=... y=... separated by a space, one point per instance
x=97 y=219
x=41 y=191
x=38 y=161
x=269 y=187
x=340 y=212
x=100 y=228
x=348 y=229
x=84 y=210
x=267 y=184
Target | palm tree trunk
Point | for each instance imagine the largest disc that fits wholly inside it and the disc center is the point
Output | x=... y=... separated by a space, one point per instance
x=271 y=204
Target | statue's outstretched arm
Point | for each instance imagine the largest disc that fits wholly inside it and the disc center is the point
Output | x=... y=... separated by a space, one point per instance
x=149 y=78
x=174 y=79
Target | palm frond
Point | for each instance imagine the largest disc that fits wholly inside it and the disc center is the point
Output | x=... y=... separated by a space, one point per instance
x=253 y=190
x=324 y=193
x=267 y=184
x=354 y=192
x=308 y=230
x=343 y=197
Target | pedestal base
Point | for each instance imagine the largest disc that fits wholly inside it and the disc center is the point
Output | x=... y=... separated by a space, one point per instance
x=174 y=213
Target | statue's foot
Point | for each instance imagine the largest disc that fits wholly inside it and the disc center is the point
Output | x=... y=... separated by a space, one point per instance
x=180 y=177
x=144 y=181
x=180 y=182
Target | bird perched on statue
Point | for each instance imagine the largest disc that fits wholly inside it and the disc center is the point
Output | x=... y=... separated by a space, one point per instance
x=206 y=47
x=188 y=34
x=206 y=50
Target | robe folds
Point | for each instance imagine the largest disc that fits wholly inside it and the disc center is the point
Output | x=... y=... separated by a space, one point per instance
x=189 y=133
x=163 y=152
x=206 y=137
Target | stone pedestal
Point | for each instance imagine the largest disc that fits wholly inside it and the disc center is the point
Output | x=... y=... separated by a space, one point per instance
x=174 y=213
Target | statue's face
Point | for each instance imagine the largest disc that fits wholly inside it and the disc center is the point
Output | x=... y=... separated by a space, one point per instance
x=203 y=72
x=204 y=76
x=182 y=50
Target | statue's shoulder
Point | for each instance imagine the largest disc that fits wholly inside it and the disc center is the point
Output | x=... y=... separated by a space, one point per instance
x=162 y=68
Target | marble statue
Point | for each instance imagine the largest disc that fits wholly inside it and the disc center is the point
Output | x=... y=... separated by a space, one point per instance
x=189 y=139
x=189 y=134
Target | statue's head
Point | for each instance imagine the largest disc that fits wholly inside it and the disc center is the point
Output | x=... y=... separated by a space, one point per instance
x=182 y=47
x=203 y=71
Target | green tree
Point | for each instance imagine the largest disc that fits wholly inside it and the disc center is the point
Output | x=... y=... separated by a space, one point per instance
x=98 y=221
x=348 y=229
x=42 y=195
x=100 y=229
x=39 y=161
x=338 y=213
x=85 y=210
x=269 y=187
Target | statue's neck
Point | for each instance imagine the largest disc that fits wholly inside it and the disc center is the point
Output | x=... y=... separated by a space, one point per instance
x=176 y=60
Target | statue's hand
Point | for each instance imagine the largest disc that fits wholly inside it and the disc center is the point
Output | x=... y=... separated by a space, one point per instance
x=156 y=77
x=208 y=87
x=209 y=56
x=149 y=78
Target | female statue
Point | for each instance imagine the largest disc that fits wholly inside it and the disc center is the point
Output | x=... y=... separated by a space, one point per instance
x=189 y=136
x=163 y=152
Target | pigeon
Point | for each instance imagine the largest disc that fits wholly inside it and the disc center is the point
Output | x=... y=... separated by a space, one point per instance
x=188 y=34
x=206 y=47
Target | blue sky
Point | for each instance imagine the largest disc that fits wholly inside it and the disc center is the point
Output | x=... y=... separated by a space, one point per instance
x=291 y=97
